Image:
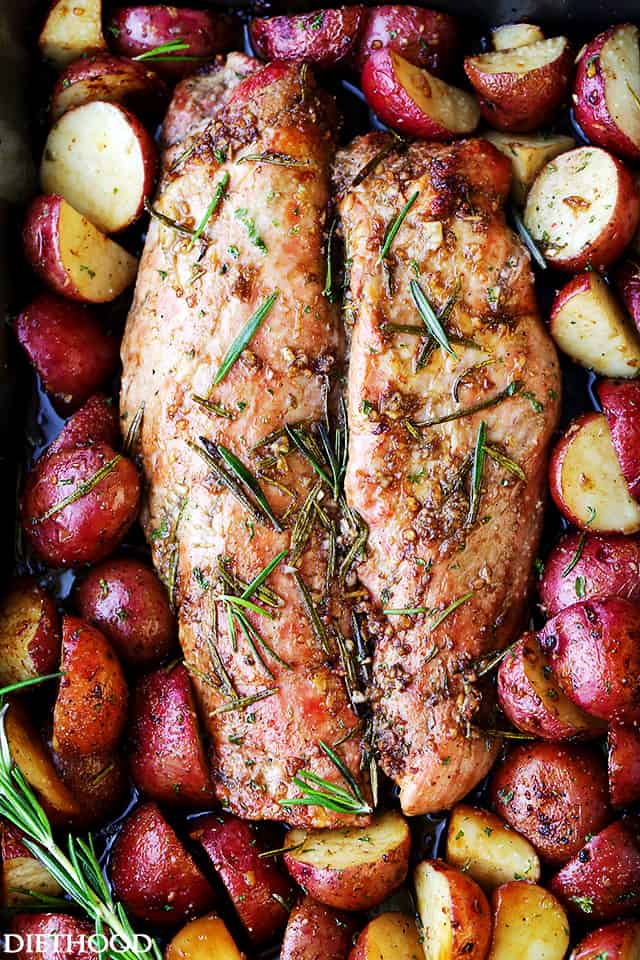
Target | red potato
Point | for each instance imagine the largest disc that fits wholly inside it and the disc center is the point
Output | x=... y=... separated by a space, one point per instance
x=602 y=881
x=594 y=649
x=554 y=795
x=627 y=278
x=78 y=504
x=152 y=873
x=323 y=37
x=71 y=256
x=528 y=153
x=103 y=162
x=111 y=80
x=587 y=322
x=71 y=30
x=95 y=422
x=521 y=89
x=583 y=209
x=203 y=939
x=51 y=936
x=345 y=871
x=599 y=567
x=316 y=932
x=22 y=874
x=532 y=699
x=139 y=30
x=484 y=846
x=426 y=38
x=125 y=599
x=586 y=481
x=98 y=781
x=624 y=764
x=606 y=88
x=68 y=347
x=454 y=913
x=528 y=923
x=166 y=757
x=256 y=887
x=616 y=941
x=91 y=707
x=620 y=400
x=389 y=936
x=29 y=632
x=415 y=102
x=512 y=35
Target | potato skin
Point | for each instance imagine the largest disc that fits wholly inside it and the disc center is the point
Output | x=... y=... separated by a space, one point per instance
x=166 y=757
x=152 y=873
x=316 y=932
x=426 y=38
x=620 y=400
x=47 y=925
x=91 y=707
x=91 y=527
x=608 y=566
x=68 y=347
x=95 y=422
x=41 y=244
x=322 y=37
x=627 y=280
x=29 y=632
x=603 y=880
x=594 y=649
x=624 y=764
x=101 y=76
x=616 y=941
x=98 y=781
x=125 y=599
x=554 y=795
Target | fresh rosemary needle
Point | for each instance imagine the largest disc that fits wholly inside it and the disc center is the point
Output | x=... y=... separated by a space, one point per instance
x=318 y=792
x=244 y=338
x=82 y=490
x=392 y=231
x=429 y=318
x=218 y=193
x=477 y=470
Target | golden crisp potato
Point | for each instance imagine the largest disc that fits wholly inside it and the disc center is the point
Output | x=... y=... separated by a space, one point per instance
x=528 y=923
x=203 y=939
x=390 y=936
x=489 y=850
x=71 y=30
x=454 y=913
x=528 y=153
x=512 y=35
x=29 y=632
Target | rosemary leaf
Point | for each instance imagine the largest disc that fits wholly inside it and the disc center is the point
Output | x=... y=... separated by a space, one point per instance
x=393 y=228
x=328 y=282
x=381 y=155
x=429 y=318
x=31 y=682
x=411 y=611
x=477 y=471
x=505 y=462
x=165 y=52
x=318 y=792
x=310 y=450
x=209 y=453
x=246 y=477
x=134 y=431
x=244 y=338
x=212 y=407
x=247 y=604
x=275 y=157
x=579 y=546
x=312 y=614
x=218 y=193
x=528 y=240
x=510 y=391
x=239 y=703
x=165 y=220
x=82 y=490
x=258 y=580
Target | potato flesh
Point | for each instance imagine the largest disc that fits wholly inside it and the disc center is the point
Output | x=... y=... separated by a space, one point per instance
x=491 y=853
x=23 y=876
x=433 y=901
x=512 y=35
x=70 y=30
x=99 y=268
x=203 y=939
x=352 y=846
x=593 y=330
x=454 y=109
x=620 y=64
x=524 y=59
x=551 y=694
x=529 y=924
x=393 y=936
x=528 y=154
x=572 y=201
x=592 y=483
x=93 y=158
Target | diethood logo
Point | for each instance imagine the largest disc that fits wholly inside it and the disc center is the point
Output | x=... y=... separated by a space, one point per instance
x=75 y=943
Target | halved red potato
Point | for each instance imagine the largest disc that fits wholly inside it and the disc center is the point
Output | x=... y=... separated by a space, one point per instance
x=315 y=931
x=110 y=79
x=553 y=794
x=389 y=936
x=91 y=707
x=583 y=209
x=620 y=401
x=29 y=632
x=486 y=848
x=125 y=599
x=71 y=256
x=203 y=939
x=512 y=35
x=528 y=923
x=322 y=37
x=585 y=567
x=624 y=763
x=616 y=941
x=588 y=323
x=139 y=30
x=95 y=422
x=71 y=30
x=23 y=876
x=32 y=758
x=520 y=89
x=257 y=889
x=603 y=880
x=152 y=873
x=77 y=505
x=426 y=38
x=586 y=481
x=606 y=90
x=415 y=102
x=103 y=162
x=627 y=280
x=594 y=649
x=528 y=153
x=454 y=913
x=532 y=699
x=99 y=783
x=346 y=871
x=40 y=930
x=68 y=347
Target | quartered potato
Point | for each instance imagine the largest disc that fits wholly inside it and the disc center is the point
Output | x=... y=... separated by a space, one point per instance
x=488 y=850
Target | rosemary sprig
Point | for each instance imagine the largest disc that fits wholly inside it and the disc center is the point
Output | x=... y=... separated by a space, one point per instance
x=393 y=228
x=82 y=490
x=429 y=318
x=165 y=50
x=233 y=600
x=491 y=660
x=134 y=431
x=244 y=338
x=328 y=282
x=266 y=854
x=510 y=465
x=510 y=391
x=318 y=792
x=212 y=407
x=209 y=453
x=440 y=618
x=528 y=240
x=304 y=523
x=275 y=157
x=459 y=380
x=218 y=194
x=476 y=473
x=579 y=546
x=246 y=477
x=260 y=578
x=308 y=447
x=31 y=682
x=239 y=703
x=397 y=144
x=180 y=159
x=165 y=220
